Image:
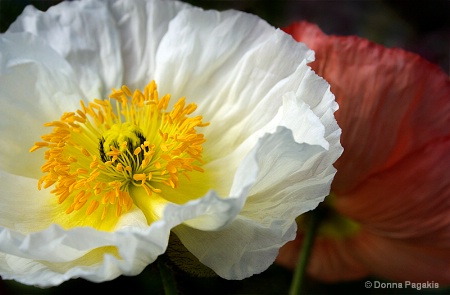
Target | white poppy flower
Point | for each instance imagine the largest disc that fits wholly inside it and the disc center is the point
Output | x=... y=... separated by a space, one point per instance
x=245 y=144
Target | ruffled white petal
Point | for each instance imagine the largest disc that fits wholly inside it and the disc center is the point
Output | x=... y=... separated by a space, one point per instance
x=36 y=87
x=233 y=74
x=218 y=212
x=117 y=38
x=84 y=33
x=232 y=252
x=53 y=255
x=292 y=179
x=80 y=252
x=294 y=175
x=36 y=207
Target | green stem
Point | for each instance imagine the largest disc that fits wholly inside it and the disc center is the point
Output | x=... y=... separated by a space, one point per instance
x=167 y=278
x=298 y=281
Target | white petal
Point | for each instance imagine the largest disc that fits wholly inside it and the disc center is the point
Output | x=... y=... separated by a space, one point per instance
x=312 y=87
x=294 y=114
x=84 y=33
x=292 y=179
x=236 y=68
x=213 y=212
x=36 y=87
x=232 y=251
x=108 y=43
x=141 y=25
x=51 y=256
x=35 y=206
x=227 y=62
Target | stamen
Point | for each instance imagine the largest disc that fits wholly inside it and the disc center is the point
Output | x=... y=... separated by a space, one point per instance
x=94 y=154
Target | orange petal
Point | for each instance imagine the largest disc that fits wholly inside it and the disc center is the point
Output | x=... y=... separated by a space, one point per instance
x=409 y=201
x=403 y=261
x=330 y=260
x=392 y=102
x=334 y=260
x=394 y=175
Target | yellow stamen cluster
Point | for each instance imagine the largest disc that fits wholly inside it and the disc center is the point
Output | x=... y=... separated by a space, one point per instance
x=96 y=153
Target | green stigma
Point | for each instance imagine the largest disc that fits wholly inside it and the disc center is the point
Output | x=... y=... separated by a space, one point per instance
x=119 y=133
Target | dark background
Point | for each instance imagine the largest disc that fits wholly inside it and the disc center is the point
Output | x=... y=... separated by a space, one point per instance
x=418 y=26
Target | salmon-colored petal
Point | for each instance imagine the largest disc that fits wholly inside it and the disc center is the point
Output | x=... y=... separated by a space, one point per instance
x=403 y=261
x=364 y=254
x=392 y=102
x=394 y=175
x=409 y=201
x=330 y=259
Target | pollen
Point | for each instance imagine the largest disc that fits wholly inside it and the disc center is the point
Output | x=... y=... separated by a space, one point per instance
x=96 y=154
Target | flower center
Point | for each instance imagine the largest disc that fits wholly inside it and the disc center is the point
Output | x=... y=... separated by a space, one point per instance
x=96 y=154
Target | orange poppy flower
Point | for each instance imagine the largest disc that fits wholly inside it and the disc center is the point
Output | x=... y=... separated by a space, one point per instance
x=391 y=194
